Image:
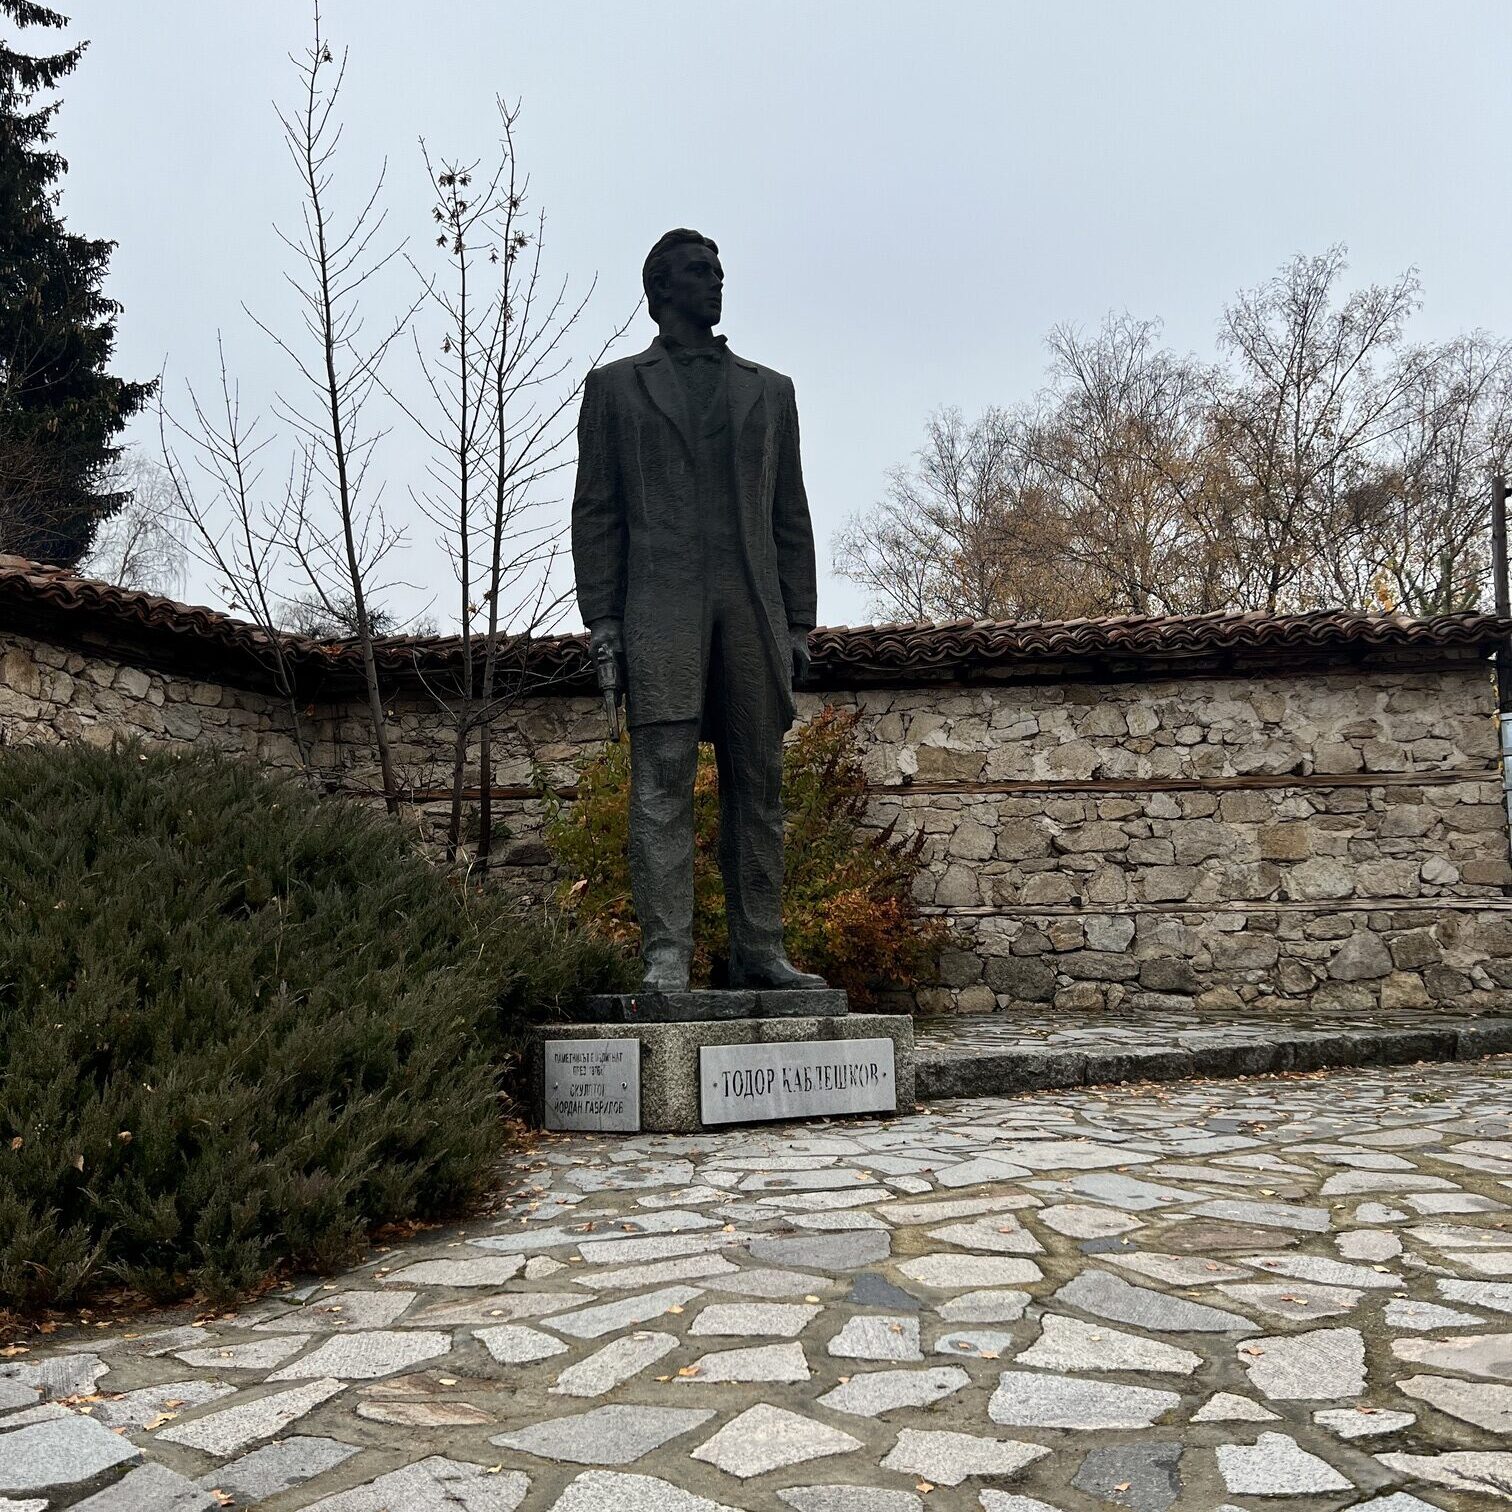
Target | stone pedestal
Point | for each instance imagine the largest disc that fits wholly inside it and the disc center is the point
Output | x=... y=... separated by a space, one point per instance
x=671 y=1062
x=709 y=1003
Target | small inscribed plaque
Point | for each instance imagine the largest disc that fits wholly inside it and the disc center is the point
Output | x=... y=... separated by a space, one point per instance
x=593 y=1084
x=744 y=1083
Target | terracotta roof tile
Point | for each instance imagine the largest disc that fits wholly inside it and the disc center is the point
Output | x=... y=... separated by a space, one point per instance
x=960 y=648
x=52 y=600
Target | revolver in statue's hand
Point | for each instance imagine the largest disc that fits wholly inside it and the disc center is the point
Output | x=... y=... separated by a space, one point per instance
x=798 y=654
x=607 y=646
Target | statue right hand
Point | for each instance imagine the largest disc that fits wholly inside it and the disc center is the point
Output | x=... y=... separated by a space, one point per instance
x=609 y=635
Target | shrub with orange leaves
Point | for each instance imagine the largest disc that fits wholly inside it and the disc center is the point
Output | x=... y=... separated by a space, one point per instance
x=848 y=906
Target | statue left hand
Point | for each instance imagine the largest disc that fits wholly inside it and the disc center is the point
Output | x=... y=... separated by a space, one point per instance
x=798 y=639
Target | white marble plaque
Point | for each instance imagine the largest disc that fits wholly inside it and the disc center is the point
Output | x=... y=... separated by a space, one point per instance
x=801 y=1079
x=593 y=1084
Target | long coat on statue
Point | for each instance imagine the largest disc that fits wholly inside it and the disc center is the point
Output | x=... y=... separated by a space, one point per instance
x=637 y=545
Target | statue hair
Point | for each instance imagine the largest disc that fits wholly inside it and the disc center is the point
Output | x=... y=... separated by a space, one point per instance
x=656 y=261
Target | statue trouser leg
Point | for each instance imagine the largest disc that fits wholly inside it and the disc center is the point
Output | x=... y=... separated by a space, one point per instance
x=663 y=764
x=747 y=730
x=750 y=848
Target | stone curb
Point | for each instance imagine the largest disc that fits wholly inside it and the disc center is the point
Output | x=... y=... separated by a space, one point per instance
x=989 y=1073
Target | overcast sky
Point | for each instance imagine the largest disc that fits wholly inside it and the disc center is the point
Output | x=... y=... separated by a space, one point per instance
x=906 y=194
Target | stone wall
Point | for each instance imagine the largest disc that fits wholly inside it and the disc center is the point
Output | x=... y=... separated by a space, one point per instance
x=1338 y=838
x=1334 y=836
x=52 y=693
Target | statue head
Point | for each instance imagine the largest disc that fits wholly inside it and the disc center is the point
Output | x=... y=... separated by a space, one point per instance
x=682 y=275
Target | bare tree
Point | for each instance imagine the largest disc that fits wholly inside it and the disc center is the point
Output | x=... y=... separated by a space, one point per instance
x=336 y=533
x=968 y=531
x=1122 y=441
x=1427 y=549
x=891 y=554
x=1092 y=504
x=458 y=380
x=141 y=545
x=233 y=531
x=1322 y=462
x=1313 y=390
x=503 y=385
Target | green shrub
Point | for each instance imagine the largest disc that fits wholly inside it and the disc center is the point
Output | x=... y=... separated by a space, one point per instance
x=239 y=1025
x=847 y=899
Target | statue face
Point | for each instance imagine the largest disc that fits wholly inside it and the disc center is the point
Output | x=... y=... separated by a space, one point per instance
x=693 y=284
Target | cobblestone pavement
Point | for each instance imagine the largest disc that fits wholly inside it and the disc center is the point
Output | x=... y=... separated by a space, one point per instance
x=1288 y=1293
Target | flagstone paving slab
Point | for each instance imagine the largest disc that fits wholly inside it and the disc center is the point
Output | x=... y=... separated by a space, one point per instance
x=606 y=1435
x=364 y=1356
x=1079 y=1220
x=768 y=1362
x=949 y=1458
x=62 y=1375
x=1474 y=1354
x=1276 y=1465
x=433 y=1484
x=769 y=1438
x=424 y=1414
x=518 y=1344
x=1497 y=1295
x=877 y=1338
x=1109 y=1296
x=870 y=1393
x=150 y=1488
x=1226 y=1407
x=1325 y=1364
x=688 y=1268
x=947 y=1272
x=1070 y=1344
x=615 y=1363
x=1003 y=1501
x=229 y=1429
x=1292 y=1300
x=256 y=1354
x=1463 y=1470
x=849 y=1499
x=136 y=1409
x=785 y=1319
x=833 y=1252
x=342 y=1310
x=486 y=1272
x=1093 y=1274
x=607 y=1491
x=1323 y=1271
x=62 y=1452
x=1030 y=1400
x=1426 y=1317
x=990 y=1306
x=984 y=1343
x=627 y=1312
x=1144 y=1477
x=1479 y=1402
x=872 y=1290
x=1364 y=1422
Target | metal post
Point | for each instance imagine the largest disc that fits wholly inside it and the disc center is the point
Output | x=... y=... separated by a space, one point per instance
x=1499 y=547
x=1504 y=650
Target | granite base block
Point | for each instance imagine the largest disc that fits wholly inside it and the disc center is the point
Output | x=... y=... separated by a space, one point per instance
x=670 y=1065
x=710 y=1003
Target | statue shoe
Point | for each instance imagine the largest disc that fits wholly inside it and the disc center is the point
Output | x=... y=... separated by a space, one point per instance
x=776 y=974
x=665 y=976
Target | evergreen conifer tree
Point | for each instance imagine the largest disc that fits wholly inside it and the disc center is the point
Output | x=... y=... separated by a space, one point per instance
x=60 y=409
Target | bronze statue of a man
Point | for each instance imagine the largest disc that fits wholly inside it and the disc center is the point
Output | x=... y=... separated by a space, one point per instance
x=694 y=559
